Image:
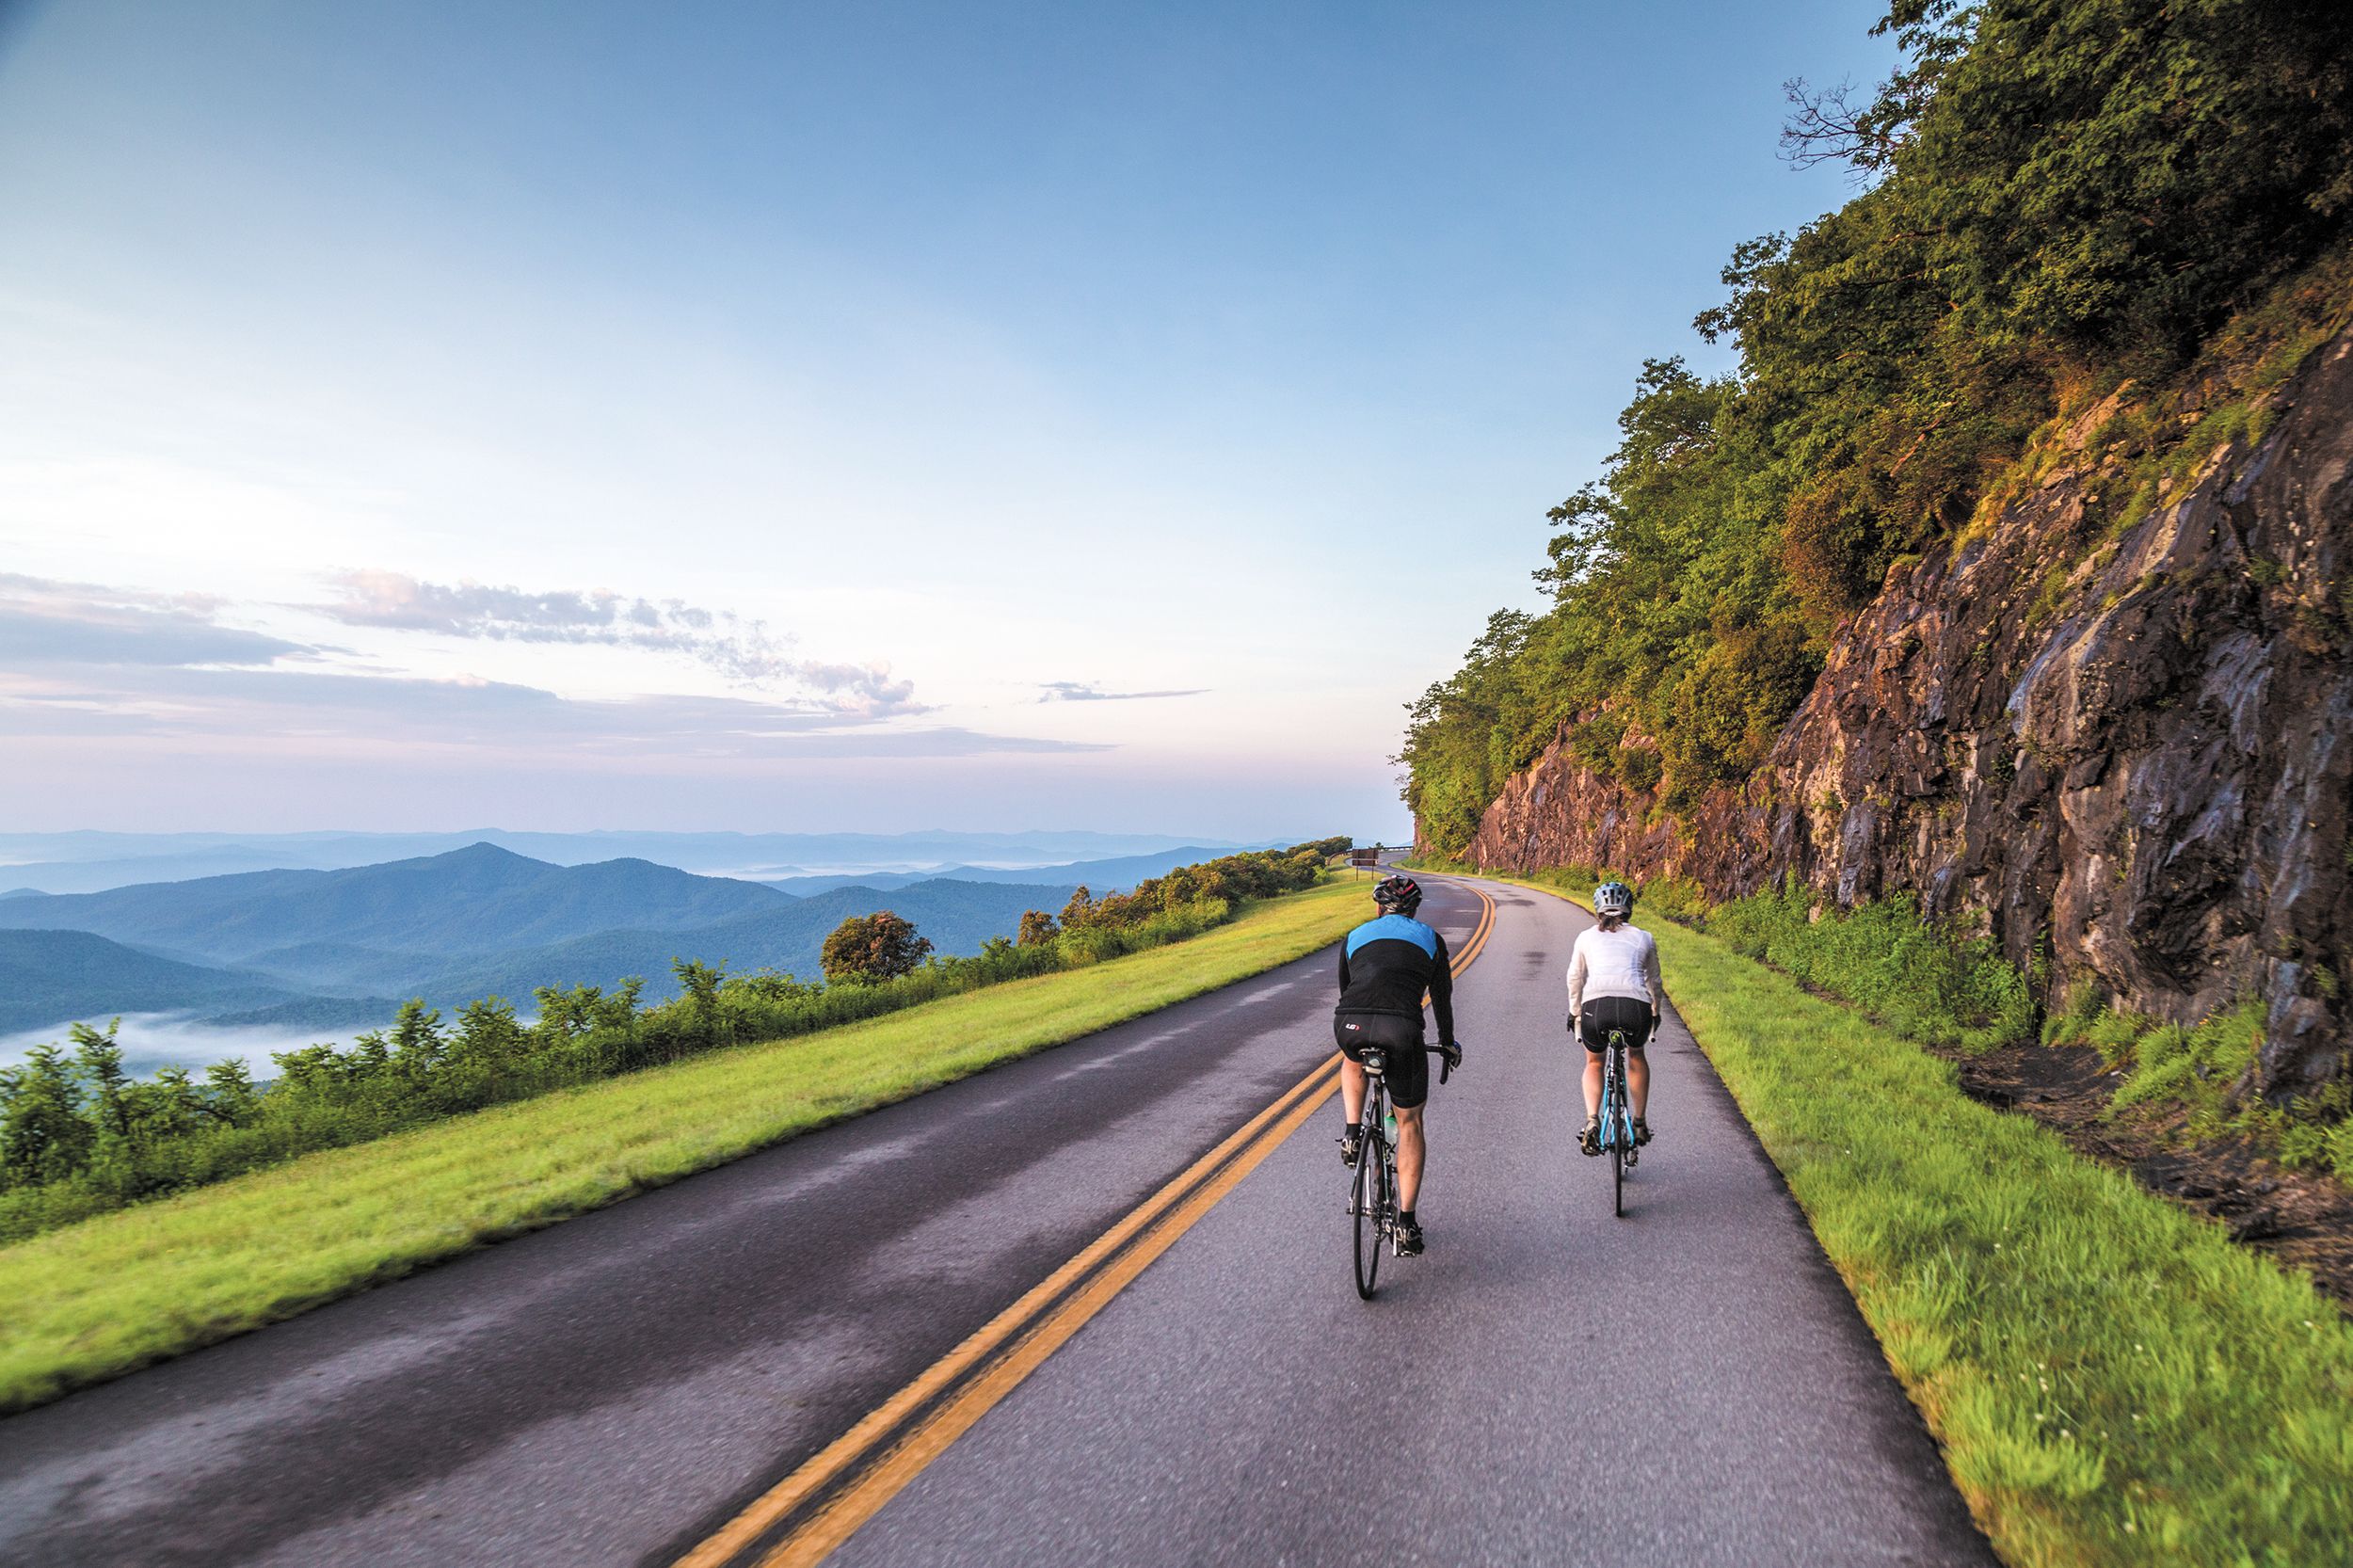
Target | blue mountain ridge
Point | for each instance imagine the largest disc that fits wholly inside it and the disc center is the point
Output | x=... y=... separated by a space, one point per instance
x=326 y=950
x=47 y=976
x=464 y=901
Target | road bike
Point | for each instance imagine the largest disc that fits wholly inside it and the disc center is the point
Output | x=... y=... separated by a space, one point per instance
x=1372 y=1186
x=1617 y=1119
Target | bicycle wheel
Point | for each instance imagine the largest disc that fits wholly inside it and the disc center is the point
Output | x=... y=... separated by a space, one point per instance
x=1617 y=1134
x=1617 y=1179
x=1369 y=1198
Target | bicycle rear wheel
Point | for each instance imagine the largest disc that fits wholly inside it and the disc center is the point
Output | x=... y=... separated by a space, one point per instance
x=1369 y=1198
x=1617 y=1134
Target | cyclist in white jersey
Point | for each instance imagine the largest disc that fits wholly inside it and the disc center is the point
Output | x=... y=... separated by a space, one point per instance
x=1614 y=983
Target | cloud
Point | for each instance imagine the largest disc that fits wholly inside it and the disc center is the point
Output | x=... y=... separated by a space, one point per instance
x=330 y=711
x=866 y=690
x=85 y=663
x=1086 y=691
x=50 y=623
x=740 y=648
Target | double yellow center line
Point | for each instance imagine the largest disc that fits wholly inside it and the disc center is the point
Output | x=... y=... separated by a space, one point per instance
x=816 y=1508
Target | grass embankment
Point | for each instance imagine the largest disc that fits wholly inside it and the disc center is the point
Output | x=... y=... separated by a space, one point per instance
x=2113 y=1381
x=116 y=1292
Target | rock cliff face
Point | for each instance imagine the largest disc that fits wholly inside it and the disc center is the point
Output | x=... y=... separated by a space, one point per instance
x=2133 y=753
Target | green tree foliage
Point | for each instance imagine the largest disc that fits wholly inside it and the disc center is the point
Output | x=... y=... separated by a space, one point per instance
x=44 y=1133
x=78 y=1135
x=2056 y=194
x=869 y=948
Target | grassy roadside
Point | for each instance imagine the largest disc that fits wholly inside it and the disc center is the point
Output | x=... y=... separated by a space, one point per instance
x=98 y=1299
x=2113 y=1382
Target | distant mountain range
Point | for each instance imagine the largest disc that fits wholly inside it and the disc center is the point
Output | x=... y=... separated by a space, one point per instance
x=92 y=863
x=330 y=949
x=47 y=976
x=956 y=917
x=457 y=903
x=1117 y=875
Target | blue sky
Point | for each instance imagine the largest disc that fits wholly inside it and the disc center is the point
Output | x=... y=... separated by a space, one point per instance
x=795 y=417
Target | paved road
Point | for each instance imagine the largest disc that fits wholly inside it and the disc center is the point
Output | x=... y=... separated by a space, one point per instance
x=1548 y=1384
x=1689 y=1385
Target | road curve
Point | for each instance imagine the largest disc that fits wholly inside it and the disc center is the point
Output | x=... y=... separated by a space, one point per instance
x=1690 y=1385
x=613 y=1389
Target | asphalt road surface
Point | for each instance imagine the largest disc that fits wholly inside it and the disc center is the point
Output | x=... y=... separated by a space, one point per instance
x=1689 y=1385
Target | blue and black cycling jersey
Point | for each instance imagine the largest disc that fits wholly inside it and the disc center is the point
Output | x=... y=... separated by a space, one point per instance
x=1385 y=965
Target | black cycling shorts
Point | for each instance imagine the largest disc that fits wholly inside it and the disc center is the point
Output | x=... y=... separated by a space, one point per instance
x=1627 y=1014
x=1408 y=1066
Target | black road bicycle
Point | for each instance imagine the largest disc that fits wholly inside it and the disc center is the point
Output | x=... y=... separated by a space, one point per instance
x=1372 y=1186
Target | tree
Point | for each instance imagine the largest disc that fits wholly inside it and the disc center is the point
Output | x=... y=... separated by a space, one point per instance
x=866 y=949
x=44 y=1135
x=1038 y=928
x=99 y=1061
x=229 y=1092
x=416 y=1044
x=699 y=983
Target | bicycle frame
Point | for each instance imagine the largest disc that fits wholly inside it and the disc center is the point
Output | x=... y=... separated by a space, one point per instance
x=1377 y=1147
x=1372 y=1184
x=1617 y=1111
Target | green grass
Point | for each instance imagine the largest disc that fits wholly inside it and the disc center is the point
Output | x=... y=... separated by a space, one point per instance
x=98 y=1299
x=2113 y=1381
x=2197 y=1075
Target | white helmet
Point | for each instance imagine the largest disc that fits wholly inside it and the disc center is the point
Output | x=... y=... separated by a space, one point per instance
x=1613 y=897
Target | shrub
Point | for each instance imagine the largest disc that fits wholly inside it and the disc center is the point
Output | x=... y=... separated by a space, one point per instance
x=1918 y=977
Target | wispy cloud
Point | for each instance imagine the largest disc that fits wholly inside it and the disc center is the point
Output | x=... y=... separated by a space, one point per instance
x=741 y=648
x=81 y=663
x=330 y=711
x=44 y=622
x=1086 y=691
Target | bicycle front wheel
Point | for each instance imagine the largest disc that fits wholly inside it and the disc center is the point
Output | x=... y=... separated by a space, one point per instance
x=1370 y=1200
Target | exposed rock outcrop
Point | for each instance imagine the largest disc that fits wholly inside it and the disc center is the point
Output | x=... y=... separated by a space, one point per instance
x=2132 y=752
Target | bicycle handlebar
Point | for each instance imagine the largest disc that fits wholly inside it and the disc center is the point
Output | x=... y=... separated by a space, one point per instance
x=1447 y=1057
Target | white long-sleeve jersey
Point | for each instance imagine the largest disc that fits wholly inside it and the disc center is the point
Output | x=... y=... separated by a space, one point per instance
x=1619 y=963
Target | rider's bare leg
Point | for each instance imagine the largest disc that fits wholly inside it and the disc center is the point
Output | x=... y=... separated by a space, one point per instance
x=1638 y=1082
x=1593 y=1084
x=1351 y=1091
x=1409 y=1149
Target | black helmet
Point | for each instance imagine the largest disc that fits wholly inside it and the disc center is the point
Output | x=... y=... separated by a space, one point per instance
x=1400 y=894
x=1613 y=897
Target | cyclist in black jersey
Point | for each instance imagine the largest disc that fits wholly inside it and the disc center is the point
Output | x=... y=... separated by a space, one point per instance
x=1385 y=965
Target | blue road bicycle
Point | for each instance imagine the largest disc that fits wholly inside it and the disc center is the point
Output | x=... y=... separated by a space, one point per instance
x=1617 y=1119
